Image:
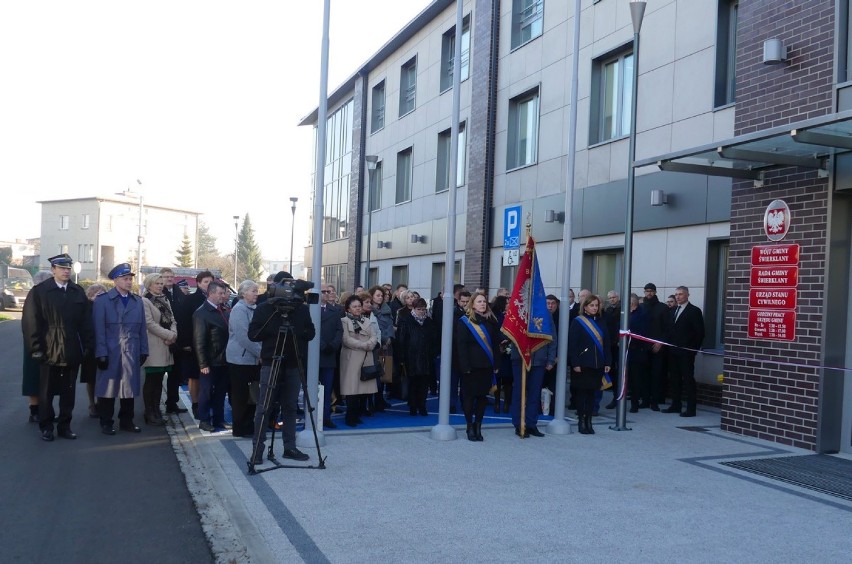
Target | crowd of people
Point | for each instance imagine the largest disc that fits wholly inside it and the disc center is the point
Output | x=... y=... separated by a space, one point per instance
x=377 y=346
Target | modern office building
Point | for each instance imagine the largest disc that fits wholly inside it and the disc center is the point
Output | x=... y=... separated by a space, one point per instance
x=100 y=232
x=740 y=104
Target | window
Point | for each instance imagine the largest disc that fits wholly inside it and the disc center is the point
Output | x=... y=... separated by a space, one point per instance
x=86 y=220
x=64 y=222
x=63 y=249
x=376 y=188
x=90 y=254
x=602 y=271
x=522 y=147
x=399 y=275
x=438 y=276
x=86 y=253
x=372 y=278
x=508 y=275
x=726 y=52
x=378 y=112
x=612 y=91
x=448 y=52
x=335 y=274
x=407 y=86
x=403 y=176
x=527 y=18
x=717 y=289
x=445 y=138
x=338 y=168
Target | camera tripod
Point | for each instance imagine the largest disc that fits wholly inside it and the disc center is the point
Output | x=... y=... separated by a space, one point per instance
x=270 y=400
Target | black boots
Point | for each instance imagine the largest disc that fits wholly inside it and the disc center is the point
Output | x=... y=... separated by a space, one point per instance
x=589 y=429
x=474 y=431
x=471 y=434
x=352 y=411
x=584 y=424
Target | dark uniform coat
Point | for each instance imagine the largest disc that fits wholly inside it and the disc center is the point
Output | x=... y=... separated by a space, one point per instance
x=55 y=323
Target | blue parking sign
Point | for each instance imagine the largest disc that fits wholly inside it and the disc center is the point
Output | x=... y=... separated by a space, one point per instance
x=512 y=227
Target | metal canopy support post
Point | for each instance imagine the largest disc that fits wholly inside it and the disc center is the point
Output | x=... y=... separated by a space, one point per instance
x=306 y=437
x=637 y=12
x=768 y=159
x=443 y=431
x=558 y=426
x=710 y=170
x=819 y=138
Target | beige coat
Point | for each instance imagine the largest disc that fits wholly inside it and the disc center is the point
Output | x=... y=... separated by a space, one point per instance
x=159 y=354
x=356 y=352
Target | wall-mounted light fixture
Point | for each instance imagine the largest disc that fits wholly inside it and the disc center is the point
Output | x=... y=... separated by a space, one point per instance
x=552 y=215
x=383 y=244
x=659 y=198
x=418 y=238
x=774 y=52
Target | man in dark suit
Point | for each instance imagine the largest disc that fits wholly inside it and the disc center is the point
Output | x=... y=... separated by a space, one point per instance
x=687 y=332
x=331 y=338
x=185 y=342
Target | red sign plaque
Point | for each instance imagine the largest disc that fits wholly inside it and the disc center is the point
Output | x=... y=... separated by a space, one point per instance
x=772 y=298
x=772 y=255
x=769 y=324
x=774 y=276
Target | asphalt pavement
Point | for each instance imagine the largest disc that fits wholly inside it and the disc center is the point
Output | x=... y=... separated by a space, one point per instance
x=96 y=499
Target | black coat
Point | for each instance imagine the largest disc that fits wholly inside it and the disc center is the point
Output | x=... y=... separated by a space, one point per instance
x=210 y=336
x=331 y=335
x=688 y=330
x=56 y=324
x=659 y=318
x=582 y=350
x=175 y=296
x=183 y=317
x=417 y=345
x=467 y=352
x=264 y=329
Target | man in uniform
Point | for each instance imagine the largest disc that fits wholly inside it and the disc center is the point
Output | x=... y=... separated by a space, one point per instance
x=57 y=332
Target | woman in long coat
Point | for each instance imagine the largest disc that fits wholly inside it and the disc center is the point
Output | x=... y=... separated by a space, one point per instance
x=162 y=334
x=121 y=347
x=359 y=340
x=418 y=344
x=590 y=358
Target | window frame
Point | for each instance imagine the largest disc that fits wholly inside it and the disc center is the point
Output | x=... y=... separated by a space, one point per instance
x=725 y=81
x=513 y=162
x=408 y=69
x=375 y=188
x=64 y=222
x=407 y=190
x=374 y=116
x=399 y=274
x=448 y=40
x=445 y=143
x=518 y=25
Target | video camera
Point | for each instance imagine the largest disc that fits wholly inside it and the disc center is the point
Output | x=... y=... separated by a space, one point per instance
x=290 y=292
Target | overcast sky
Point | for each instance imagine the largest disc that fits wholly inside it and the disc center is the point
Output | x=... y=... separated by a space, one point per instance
x=197 y=99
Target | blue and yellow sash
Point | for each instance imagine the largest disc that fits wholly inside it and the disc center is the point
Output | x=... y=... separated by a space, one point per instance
x=594 y=331
x=481 y=337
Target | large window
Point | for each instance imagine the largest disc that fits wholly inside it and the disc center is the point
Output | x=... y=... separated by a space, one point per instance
x=445 y=138
x=438 y=273
x=403 y=176
x=612 y=96
x=717 y=289
x=399 y=275
x=377 y=120
x=64 y=222
x=522 y=146
x=527 y=19
x=376 y=188
x=338 y=167
x=335 y=274
x=407 y=86
x=602 y=271
x=726 y=52
x=448 y=52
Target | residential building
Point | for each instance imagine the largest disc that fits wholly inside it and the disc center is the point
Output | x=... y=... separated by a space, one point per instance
x=726 y=128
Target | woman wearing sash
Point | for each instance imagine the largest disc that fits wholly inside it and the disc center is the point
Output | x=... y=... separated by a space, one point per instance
x=477 y=341
x=589 y=351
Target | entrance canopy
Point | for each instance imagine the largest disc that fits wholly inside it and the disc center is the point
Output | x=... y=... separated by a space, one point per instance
x=808 y=144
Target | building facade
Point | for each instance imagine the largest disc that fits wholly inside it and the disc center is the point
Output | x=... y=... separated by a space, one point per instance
x=100 y=232
x=703 y=84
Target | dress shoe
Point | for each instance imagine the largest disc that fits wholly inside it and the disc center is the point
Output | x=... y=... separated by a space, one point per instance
x=107 y=429
x=329 y=424
x=654 y=407
x=518 y=432
x=471 y=434
x=295 y=454
x=47 y=435
x=205 y=426
x=130 y=427
x=67 y=434
x=687 y=413
x=672 y=409
x=533 y=431
x=174 y=408
x=611 y=405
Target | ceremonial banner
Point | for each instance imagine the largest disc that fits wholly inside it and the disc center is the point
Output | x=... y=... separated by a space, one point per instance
x=528 y=324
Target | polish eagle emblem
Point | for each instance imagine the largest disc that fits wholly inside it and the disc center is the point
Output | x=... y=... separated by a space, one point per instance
x=775 y=221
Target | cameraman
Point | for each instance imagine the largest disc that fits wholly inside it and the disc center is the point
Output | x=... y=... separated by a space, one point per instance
x=264 y=327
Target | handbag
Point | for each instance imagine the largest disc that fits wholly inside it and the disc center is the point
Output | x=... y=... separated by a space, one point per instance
x=369 y=372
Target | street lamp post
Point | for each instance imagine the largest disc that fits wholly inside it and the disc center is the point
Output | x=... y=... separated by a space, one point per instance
x=139 y=237
x=637 y=12
x=292 y=232
x=372 y=165
x=236 y=247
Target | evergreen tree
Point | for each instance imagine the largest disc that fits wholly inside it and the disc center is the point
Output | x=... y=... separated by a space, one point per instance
x=249 y=258
x=184 y=253
x=206 y=245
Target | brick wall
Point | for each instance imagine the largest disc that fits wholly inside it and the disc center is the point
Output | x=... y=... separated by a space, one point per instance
x=761 y=396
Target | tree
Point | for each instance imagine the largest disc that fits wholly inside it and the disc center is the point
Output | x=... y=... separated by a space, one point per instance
x=184 y=253
x=206 y=245
x=250 y=261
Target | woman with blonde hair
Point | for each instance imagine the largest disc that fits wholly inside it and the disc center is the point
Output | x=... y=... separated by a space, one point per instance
x=162 y=334
x=477 y=342
x=590 y=358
